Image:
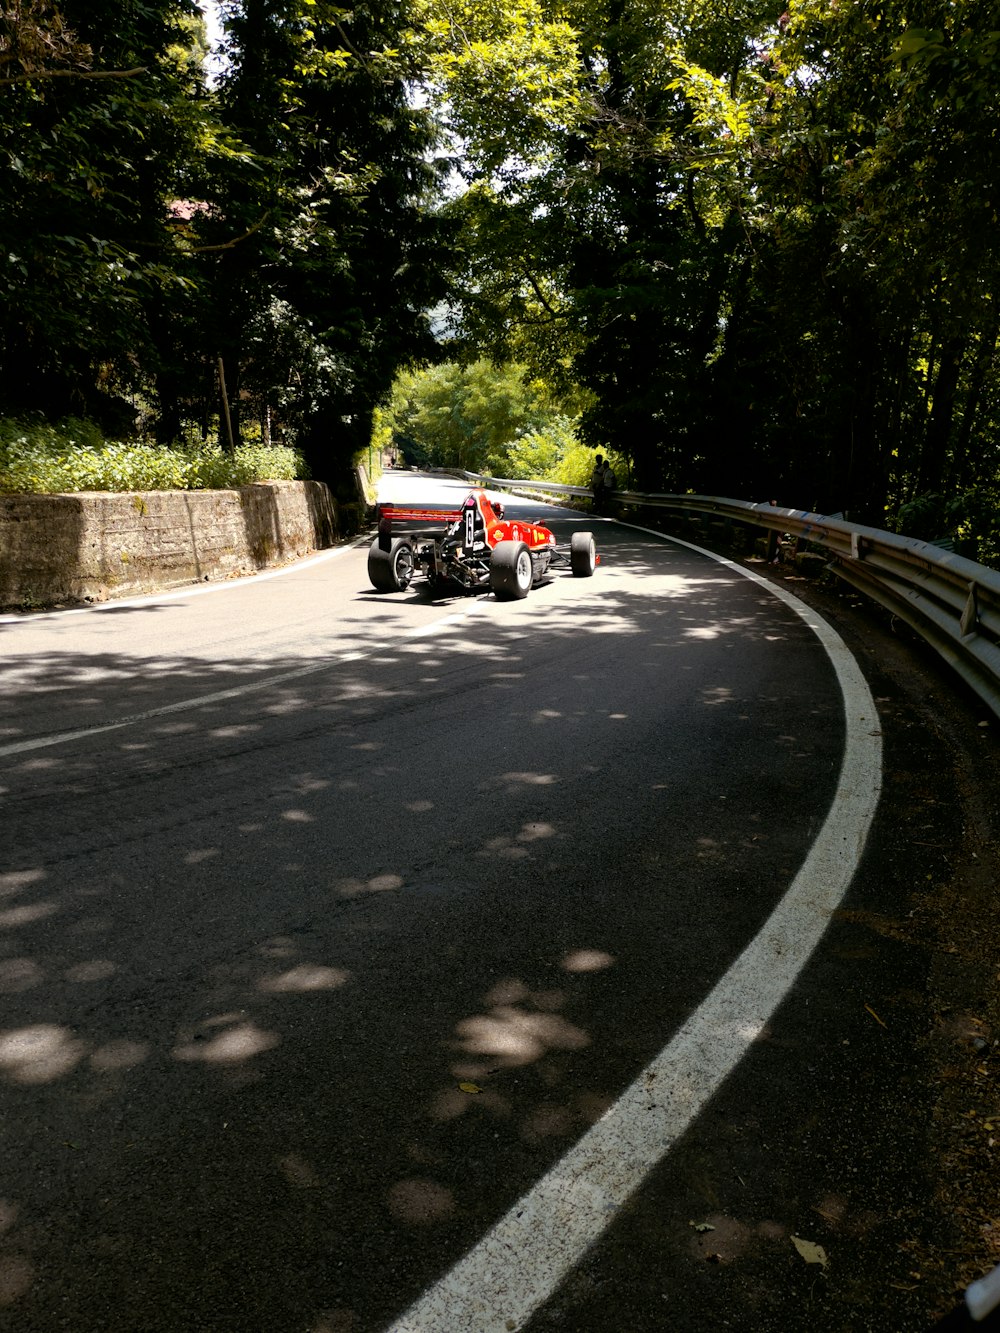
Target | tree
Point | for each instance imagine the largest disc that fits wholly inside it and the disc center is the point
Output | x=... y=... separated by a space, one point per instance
x=763 y=243
x=617 y=220
x=162 y=233
x=97 y=119
x=480 y=418
x=37 y=43
x=873 y=272
x=759 y=247
x=329 y=295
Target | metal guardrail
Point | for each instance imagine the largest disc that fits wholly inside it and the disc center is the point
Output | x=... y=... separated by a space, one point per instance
x=951 y=602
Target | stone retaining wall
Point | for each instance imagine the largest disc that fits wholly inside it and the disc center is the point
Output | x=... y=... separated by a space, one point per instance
x=94 y=545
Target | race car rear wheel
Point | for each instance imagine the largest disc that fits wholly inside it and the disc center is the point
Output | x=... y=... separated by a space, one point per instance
x=582 y=554
x=510 y=571
x=390 y=571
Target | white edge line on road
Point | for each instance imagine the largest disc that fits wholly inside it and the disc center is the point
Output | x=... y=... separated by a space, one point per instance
x=518 y=1265
x=188 y=590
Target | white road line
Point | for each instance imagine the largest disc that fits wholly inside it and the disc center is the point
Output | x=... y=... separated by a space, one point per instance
x=236 y=691
x=188 y=590
x=520 y=1263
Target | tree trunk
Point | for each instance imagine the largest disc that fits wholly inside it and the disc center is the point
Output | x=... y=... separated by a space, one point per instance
x=228 y=439
x=934 y=455
x=985 y=354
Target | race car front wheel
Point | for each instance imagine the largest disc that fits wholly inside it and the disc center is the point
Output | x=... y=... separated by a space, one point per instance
x=510 y=571
x=582 y=554
x=390 y=571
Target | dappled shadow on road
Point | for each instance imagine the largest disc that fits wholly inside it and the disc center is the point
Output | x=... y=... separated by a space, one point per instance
x=311 y=965
x=45 y=683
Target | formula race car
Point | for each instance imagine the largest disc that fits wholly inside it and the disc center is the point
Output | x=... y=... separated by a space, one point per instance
x=477 y=549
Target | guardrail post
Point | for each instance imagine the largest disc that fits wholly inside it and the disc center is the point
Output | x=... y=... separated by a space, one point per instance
x=857 y=546
x=969 y=624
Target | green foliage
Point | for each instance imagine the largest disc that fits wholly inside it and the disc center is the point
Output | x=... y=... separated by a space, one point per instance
x=970 y=521
x=508 y=73
x=154 y=227
x=750 y=248
x=492 y=419
x=576 y=467
x=329 y=295
x=602 y=245
x=766 y=245
x=40 y=458
x=101 y=124
x=211 y=468
x=480 y=418
x=539 y=452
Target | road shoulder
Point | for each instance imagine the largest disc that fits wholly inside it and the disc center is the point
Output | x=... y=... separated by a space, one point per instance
x=943 y=767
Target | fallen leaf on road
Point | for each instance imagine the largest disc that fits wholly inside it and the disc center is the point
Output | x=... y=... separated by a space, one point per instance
x=811 y=1253
x=470 y=1088
x=701 y=1226
x=876 y=1017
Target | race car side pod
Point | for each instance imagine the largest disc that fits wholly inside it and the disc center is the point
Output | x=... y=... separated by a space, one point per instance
x=980 y=1309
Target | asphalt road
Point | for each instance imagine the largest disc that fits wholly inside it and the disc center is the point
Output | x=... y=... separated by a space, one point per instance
x=331 y=921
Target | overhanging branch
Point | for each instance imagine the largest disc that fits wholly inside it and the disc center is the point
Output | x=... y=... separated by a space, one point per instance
x=228 y=245
x=6 y=80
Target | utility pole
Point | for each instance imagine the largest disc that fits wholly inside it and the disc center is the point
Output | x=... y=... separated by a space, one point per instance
x=225 y=407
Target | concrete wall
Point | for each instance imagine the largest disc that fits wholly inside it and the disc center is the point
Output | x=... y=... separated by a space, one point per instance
x=94 y=545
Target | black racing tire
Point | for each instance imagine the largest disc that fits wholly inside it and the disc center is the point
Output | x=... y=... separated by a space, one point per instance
x=511 y=572
x=392 y=570
x=582 y=554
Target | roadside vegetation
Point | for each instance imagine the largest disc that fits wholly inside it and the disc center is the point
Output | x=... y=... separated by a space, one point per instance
x=39 y=458
x=498 y=420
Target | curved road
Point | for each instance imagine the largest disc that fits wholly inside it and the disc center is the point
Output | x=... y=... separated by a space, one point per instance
x=331 y=922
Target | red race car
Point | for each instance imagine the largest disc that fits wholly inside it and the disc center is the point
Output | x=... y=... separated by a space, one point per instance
x=477 y=549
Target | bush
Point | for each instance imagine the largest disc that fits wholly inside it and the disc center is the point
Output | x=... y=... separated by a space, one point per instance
x=210 y=468
x=39 y=458
x=968 y=521
x=576 y=466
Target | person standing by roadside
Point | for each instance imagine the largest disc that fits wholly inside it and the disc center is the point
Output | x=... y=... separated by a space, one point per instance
x=608 y=484
x=597 y=483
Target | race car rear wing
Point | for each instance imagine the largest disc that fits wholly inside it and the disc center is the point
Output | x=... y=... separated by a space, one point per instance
x=476 y=512
x=390 y=514
x=393 y=512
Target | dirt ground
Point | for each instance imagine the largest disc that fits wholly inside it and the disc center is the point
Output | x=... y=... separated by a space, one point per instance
x=958 y=921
